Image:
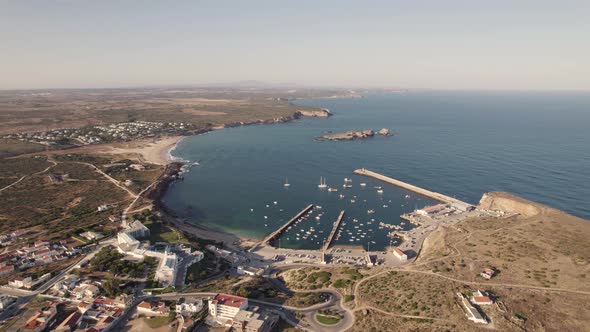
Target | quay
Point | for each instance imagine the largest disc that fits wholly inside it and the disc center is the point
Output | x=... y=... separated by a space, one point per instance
x=281 y=229
x=334 y=229
x=424 y=192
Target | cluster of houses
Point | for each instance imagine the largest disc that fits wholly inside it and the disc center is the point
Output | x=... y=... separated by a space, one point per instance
x=40 y=253
x=89 y=316
x=170 y=257
x=470 y=305
x=122 y=131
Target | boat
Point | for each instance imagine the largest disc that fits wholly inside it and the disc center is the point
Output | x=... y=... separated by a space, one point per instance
x=407 y=196
x=265 y=225
x=251 y=210
x=317 y=217
x=377 y=187
x=275 y=202
x=380 y=191
x=265 y=217
x=363 y=184
x=332 y=190
x=347 y=180
x=385 y=205
x=370 y=211
x=286 y=184
x=352 y=201
x=341 y=196
x=347 y=185
x=322 y=183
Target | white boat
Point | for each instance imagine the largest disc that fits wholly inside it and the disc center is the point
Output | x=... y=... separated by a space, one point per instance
x=352 y=201
x=347 y=180
x=347 y=185
x=322 y=183
x=251 y=210
x=275 y=202
x=333 y=190
x=286 y=184
x=407 y=196
x=341 y=196
x=265 y=225
x=377 y=187
x=265 y=217
x=370 y=211
x=317 y=217
x=385 y=205
x=363 y=184
x=380 y=191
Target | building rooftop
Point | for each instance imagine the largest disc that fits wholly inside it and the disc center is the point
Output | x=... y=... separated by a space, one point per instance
x=230 y=300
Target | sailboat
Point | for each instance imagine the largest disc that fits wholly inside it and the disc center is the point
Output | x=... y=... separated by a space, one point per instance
x=286 y=184
x=322 y=183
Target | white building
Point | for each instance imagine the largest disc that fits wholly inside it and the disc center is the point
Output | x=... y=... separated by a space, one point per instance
x=19 y=282
x=400 y=254
x=247 y=270
x=225 y=307
x=430 y=210
x=471 y=312
x=189 y=307
x=166 y=273
x=6 y=301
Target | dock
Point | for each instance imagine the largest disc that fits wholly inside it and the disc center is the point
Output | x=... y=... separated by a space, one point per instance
x=334 y=229
x=281 y=229
x=424 y=192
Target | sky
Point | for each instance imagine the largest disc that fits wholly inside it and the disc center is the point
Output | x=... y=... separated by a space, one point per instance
x=438 y=44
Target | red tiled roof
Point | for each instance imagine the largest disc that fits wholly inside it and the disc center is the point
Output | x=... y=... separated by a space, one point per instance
x=481 y=299
x=229 y=300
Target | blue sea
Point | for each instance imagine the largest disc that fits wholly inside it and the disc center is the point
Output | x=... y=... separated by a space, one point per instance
x=463 y=144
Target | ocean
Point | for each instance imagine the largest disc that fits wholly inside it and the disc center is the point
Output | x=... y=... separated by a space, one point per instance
x=463 y=144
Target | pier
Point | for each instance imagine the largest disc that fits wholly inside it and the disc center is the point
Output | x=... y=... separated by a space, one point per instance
x=334 y=229
x=424 y=192
x=281 y=229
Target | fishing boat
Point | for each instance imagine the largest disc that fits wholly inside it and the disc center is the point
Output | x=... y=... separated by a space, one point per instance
x=322 y=183
x=286 y=184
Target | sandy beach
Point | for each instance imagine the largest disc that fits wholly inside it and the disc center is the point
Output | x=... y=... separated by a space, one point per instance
x=153 y=151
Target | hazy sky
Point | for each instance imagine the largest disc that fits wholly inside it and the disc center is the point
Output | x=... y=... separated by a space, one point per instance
x=495 y=44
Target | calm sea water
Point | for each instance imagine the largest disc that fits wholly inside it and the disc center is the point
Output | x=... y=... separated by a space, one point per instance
x=535 y=145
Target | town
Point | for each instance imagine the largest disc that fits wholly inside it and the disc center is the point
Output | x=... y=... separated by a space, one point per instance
x=123 y=131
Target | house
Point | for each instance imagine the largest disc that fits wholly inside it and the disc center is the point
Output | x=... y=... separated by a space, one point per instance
x=400 y=254
x=249 y=321
x=6 y=301
x=430 y=210
x=69 y=324
x=19 y=282
x=189 y=308
x=247 y=270
x=85 y=291
x=152 y=308
x=487 y=273
x=6 y=270
x=224 y=308
x=471 y=312
x=137 y=167
x=481 y=298
x=41 y=320
x=89 y=235
x=102 y=208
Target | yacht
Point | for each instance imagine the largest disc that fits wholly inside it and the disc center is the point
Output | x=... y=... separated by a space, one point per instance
x=286 y=184
x=322 y=183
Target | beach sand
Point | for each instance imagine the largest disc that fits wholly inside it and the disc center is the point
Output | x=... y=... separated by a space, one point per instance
x=152 y=151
